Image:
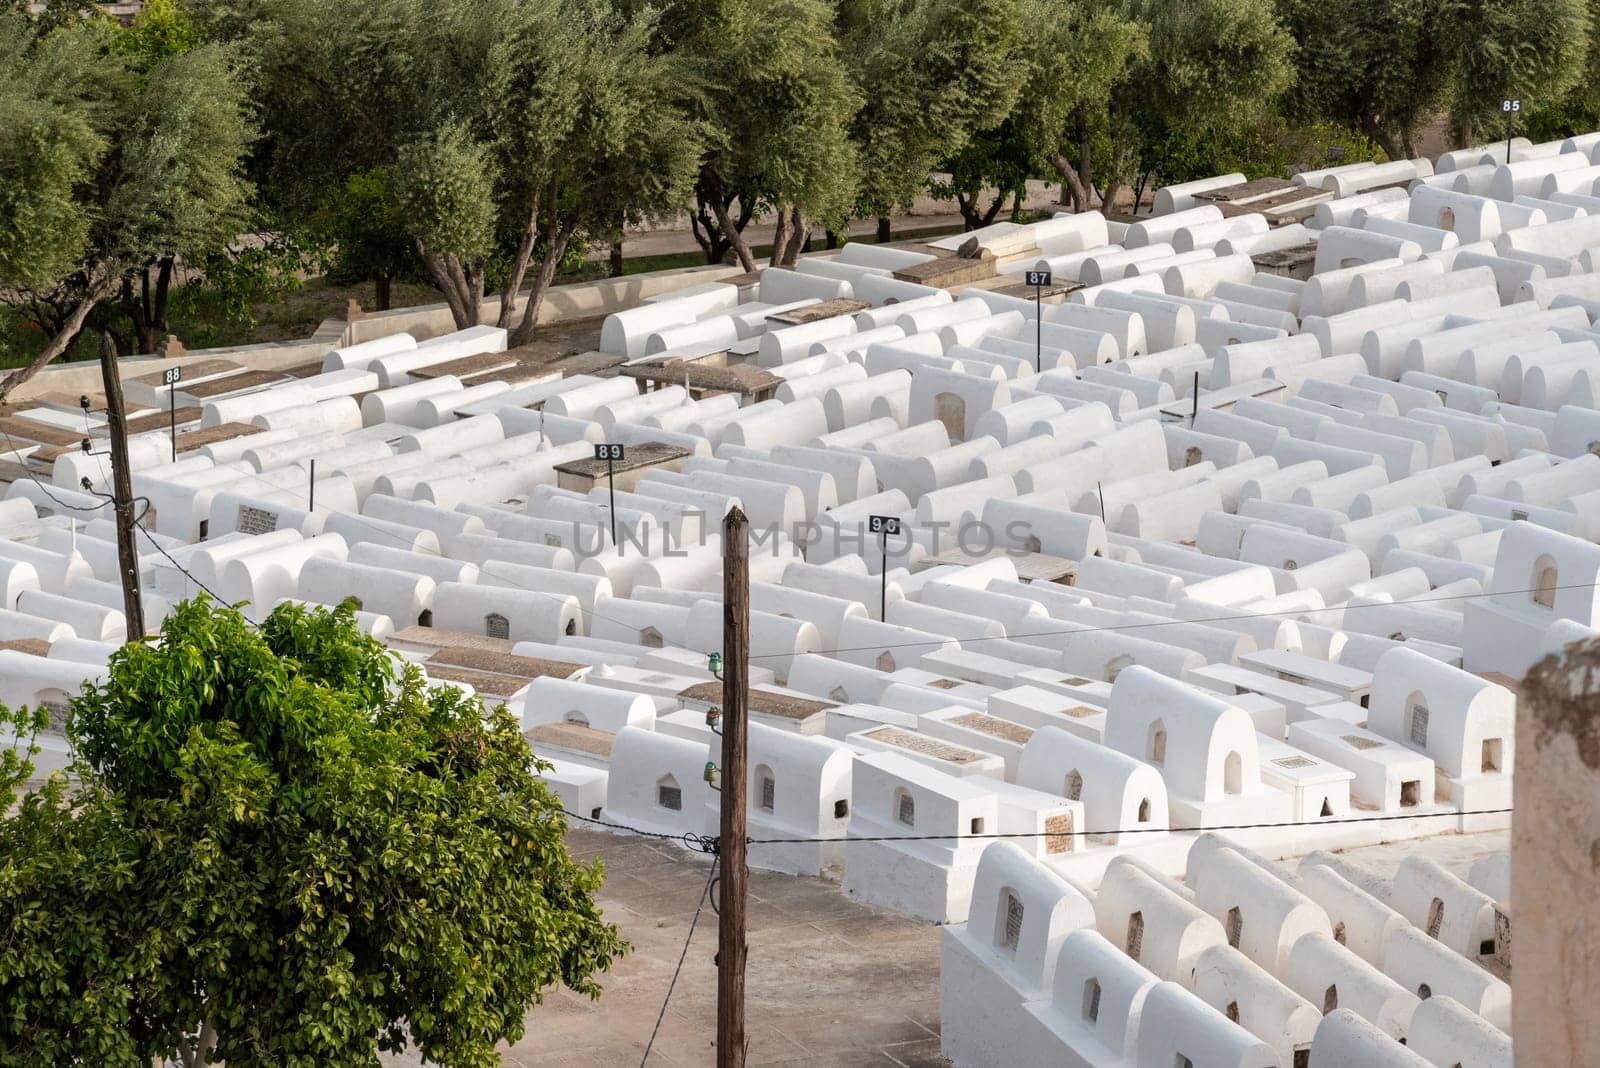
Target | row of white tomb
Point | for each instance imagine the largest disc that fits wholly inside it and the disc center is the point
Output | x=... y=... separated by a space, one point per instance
x=1302 y=519
x=1245 y=964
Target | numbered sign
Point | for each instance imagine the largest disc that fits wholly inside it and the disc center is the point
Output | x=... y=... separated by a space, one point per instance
x=171 y=376
x=1510 y=107
x=883 y=524
x=608 y=452
x=1036 y=278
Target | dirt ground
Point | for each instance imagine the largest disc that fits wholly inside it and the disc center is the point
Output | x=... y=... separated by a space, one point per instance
x=831 y=983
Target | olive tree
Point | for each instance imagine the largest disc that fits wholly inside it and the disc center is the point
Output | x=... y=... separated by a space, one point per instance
x=1530 y=50
x=775 y=104
x=506 y=128
x=279 y=848
x=1078 y=53
x=1208 y=65
x=1380 y=67
x=116 y=154
x=931 y=74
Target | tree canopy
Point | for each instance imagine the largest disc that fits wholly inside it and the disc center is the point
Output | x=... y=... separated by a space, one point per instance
x=282 y=850
x=931 y=74
x=119 y=151
x=774 y=102
x=506 y=129
x=484 y=145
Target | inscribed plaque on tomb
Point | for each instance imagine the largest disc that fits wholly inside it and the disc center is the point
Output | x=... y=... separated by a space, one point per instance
x=256 y=520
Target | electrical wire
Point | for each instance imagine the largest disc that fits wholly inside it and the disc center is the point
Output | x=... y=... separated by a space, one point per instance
x=693 y=923
x=44 y=488
x=850 y=839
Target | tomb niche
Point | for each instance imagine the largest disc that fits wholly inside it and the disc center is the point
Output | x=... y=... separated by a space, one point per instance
x=1135 y=941
x=766 y=788
x=1542 y=588
x=1417 y=718
x=1233 y=774
x=1008 y=925
x=1157 y=745
x=951 y=410
x=905 y=807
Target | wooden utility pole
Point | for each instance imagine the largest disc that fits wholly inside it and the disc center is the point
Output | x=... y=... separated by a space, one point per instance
x=735 y=704
x=1555 y=855
x=122 y=490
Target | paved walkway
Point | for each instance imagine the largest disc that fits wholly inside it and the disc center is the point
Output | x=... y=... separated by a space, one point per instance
x=830 y=981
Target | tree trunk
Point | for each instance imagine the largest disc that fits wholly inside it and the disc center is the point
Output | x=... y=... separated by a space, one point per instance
x=58 y=344
x=144 y=340
x=616 y=257
x=969 y=214
x=1108 y=197
x=556 y=242
x=994 y=209
x=885 y=234
x=706 y=234
x=158 y=311
x=382 y=286
x=1463 y=132
x=461 y=285
x=1070 y=180
x=1016 y=206
x=733 y=234
x=709 y=234
x=1085 y=168
x=1381 y=137
x=799 y=236
x=780 y=238
x=830 y=239
x=519 y=267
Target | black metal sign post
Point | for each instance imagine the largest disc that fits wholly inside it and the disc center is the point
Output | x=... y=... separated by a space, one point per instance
x=883 y=526
x=170 y=378
x=1038 y=280
x=1510 y=108
x=611 y=454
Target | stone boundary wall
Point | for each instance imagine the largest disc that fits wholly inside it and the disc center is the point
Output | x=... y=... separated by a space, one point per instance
x=583 y=300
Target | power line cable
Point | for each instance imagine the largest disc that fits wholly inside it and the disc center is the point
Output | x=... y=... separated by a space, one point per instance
x=44 y=488
x=662 y=1015
x=1331 y=821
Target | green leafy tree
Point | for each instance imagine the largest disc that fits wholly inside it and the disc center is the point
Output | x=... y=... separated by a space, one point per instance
x=509 y=129
x=931 y=73
x=1212 y=65
x=1533 y=50
x=1074 y=58
x=1000 y=159
x=112 y=159
x=1385 y=68
x=282 y=849
x=1380 y=67
x=369 y=235
x=775 y=103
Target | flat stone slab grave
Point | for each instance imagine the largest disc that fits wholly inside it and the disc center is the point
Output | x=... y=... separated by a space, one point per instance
x=829 y=981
